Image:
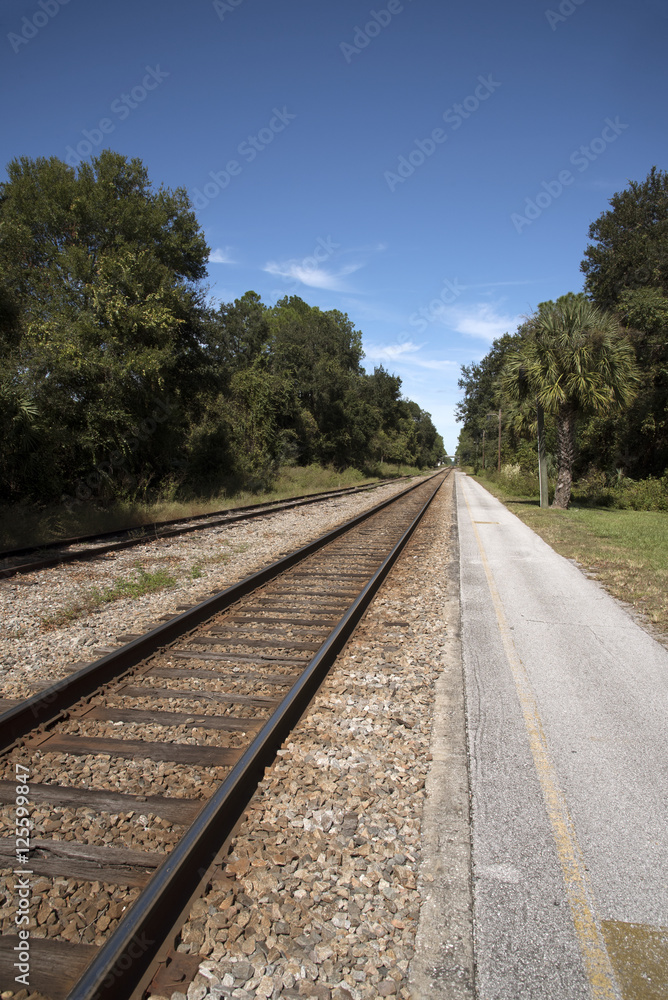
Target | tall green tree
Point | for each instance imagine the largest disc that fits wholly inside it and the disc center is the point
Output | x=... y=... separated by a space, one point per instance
x=575 y=361
x=240 y=331
x=321 y=353
x=626 y=268
x=630 y=242
x=100 y=323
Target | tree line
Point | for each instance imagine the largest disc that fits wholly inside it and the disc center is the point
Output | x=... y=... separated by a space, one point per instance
x=596 y=362
x=119 y=378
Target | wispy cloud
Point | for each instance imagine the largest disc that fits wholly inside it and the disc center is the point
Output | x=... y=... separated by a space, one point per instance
x=407 y=352
x=313 y=277
x=482 y=320
x=391 y=351
x=221 y=256
x=323 y=268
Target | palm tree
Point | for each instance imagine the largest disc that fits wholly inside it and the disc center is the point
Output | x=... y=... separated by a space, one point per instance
x=574 y=361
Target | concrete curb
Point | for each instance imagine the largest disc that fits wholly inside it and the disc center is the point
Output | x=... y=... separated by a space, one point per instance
x=443 y=966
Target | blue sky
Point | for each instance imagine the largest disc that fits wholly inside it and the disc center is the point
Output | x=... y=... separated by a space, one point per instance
x=429 y=169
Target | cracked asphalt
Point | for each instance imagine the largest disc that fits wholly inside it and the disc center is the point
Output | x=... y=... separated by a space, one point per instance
x=567 y=723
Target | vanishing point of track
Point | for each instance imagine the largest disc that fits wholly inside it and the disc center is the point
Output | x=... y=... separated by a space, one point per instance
x=235 y=673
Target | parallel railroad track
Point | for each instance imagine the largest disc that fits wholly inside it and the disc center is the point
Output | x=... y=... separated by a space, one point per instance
x=201 y=704
x=33 y=558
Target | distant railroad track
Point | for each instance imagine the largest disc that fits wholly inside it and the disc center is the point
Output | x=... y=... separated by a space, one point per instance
x=14 y=561
x=210 y=695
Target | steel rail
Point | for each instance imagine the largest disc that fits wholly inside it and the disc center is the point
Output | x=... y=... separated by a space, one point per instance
x=120 y=968
x=150 y=528
x=84 y=554
x=43 y=708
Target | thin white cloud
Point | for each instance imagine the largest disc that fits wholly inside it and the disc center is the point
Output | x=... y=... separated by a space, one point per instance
x=221 y=256
x=392 y=351
x=482 y=320
x=312 y=272
x=407 y=353
x=313 y=277
x=435 y=364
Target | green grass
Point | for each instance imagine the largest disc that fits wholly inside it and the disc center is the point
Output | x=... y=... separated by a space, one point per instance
x=142 y=583
x=24 y=525
x=626 y=550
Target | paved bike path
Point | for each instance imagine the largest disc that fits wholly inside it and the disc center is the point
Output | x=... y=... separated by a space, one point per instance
x=567 y=716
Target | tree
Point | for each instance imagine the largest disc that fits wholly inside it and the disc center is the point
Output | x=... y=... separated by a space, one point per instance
x=626 y=270
x=631 y=248
x=240 y=331
x=321 y=353
x=482 y=397
x=574 y=361
x=100 y=323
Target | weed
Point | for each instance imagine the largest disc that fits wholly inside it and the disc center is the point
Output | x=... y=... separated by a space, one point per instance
x=144 y=583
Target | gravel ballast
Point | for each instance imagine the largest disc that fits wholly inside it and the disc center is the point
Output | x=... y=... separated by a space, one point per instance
x=47 y=629
x=322 y=891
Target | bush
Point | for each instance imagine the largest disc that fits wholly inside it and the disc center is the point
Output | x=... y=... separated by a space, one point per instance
x=598 y=490
x=593 y=490
x=642 y=494
x=514 y=479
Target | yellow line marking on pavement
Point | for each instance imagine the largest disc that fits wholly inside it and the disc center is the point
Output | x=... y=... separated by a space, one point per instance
x=587 y=925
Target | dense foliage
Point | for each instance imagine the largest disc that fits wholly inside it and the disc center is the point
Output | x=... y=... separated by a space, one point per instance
x=620 y=378
x=118 y=377
x=573 y=362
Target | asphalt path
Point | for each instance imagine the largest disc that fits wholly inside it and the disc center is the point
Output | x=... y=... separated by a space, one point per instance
x=567 y=728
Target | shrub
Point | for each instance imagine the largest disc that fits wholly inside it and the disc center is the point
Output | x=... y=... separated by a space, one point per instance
x=598 y=490
x=642 y=494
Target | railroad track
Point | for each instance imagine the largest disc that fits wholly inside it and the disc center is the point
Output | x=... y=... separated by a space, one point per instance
x=33 y=558
x=196 y=709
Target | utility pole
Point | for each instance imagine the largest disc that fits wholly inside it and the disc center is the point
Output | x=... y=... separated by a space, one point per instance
x=498 y=468
x=542 y=461
x=483 y=450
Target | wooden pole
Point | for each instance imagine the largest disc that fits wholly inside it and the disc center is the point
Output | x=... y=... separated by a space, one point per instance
x=498 y=468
